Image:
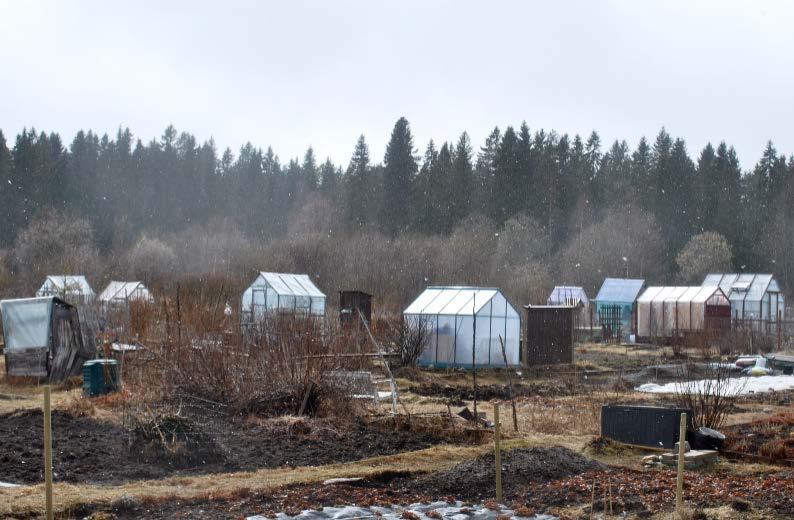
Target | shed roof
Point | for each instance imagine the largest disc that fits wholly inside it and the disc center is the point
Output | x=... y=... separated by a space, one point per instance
x=620 y=290
x=562 y=294
x=288 y=284
x=451 y=300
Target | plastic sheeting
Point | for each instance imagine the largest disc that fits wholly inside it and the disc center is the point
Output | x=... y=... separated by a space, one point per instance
x=619 y=290
x=26 y=323
x=273 y=292
x=668 y=311
x=463 y=322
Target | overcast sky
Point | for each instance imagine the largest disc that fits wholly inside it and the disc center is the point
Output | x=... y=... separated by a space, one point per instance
x=294 y=74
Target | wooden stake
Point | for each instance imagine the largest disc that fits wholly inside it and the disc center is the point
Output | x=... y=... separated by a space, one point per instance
x=497 y=453
x=48 y=453
x=510 y=384
x=679 y=482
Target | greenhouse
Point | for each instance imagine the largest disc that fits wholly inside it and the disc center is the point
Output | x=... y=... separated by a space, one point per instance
x=572 y=296
x=281 y=292
x=753 y=296
x=664 y=312
x=122 y=293
x=73 y=289
x=464 y=326
x=621 y=293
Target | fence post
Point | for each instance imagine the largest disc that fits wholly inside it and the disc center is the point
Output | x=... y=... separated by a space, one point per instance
x=779 y=334
x=497 y=453
x=679 y=482
x=47 y=453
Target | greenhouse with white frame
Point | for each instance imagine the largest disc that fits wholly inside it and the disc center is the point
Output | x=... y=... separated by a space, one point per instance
x=465 y=325
x=753 y=296
x=282 y=293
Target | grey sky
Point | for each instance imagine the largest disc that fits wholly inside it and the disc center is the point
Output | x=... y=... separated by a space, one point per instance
x=295 y=74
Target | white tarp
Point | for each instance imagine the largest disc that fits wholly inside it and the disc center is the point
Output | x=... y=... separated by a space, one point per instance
x=667 y=311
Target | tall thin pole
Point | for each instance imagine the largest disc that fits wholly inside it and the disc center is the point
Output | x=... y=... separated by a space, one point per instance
x=47 y=453
x=473 y=355
x=497 y=453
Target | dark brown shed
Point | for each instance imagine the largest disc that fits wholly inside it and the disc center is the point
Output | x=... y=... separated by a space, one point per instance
x=548 y=337
x=351 y=302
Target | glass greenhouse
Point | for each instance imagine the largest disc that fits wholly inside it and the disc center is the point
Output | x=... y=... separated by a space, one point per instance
x=465 y=319
x=670 y=311
x=73 y=289
x=124 y=292
x=753 y=296
x=281 y=292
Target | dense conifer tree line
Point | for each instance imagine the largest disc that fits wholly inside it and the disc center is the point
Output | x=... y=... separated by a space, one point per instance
x=559 y=184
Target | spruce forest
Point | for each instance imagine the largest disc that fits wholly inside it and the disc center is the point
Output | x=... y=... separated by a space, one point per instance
x=524 y=210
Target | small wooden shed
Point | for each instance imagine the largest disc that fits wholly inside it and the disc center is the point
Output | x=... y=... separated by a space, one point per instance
x=548 y=337
x=351 y=302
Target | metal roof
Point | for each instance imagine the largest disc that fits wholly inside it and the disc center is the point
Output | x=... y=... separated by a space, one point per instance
x=460 y=301
x=620 y=290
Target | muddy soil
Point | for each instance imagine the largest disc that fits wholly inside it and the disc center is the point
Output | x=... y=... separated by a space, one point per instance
x=457 y=394
x=474 y=479
x=92 y=451
x=771 y=437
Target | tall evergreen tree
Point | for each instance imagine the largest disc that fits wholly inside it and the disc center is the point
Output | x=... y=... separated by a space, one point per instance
x=462 y=180
x=359 y=200
x=399 y=169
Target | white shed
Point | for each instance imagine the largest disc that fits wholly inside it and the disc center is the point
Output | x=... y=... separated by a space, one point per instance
x=671 y=311
x=71 y=288
x=753 y=296
x=451 y=315
x=281 y=292
x=124 y=292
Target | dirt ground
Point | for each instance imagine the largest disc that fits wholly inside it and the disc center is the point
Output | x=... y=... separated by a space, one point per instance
x=96 y=451
x=102 y=467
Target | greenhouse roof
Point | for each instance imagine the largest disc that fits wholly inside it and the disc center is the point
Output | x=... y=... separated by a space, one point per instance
x=461 y=301
x=69 y=283
x=123 y=290
x=562 y=294
x=287 y=284
x=620 y=290
x=746 y=286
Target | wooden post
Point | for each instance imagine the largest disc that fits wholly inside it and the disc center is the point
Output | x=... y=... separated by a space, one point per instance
x=679 y=483
x=510 y=384
x=779 y=334
x=47 y=453
x=497 y=453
